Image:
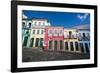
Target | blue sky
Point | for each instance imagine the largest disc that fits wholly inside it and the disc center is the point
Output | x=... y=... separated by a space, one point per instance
x=66 y=19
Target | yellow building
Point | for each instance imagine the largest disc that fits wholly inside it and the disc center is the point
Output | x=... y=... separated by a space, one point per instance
x=71 y=40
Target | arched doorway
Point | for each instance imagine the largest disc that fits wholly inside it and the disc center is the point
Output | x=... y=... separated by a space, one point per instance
x=25 y=41
x=31 y=42
x=55 y=44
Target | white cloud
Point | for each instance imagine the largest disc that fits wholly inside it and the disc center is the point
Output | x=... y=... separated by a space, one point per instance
x=82 y=17
x=24 y=16
x=84 y=26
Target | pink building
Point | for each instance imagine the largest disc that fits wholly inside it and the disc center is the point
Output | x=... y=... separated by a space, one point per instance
x=54 y=38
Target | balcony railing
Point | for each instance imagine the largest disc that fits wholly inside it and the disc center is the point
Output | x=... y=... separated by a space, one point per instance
x=70 y=37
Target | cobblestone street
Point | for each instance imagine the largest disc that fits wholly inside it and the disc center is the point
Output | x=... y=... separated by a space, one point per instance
x=36 y=54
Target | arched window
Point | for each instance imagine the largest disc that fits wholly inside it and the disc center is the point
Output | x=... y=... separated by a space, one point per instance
x=70 y=34
x=61 y=44
x=37 y=31
x=29 y=25
x=77 y=46
x=41 y=31
x=23 y=24
x=71 y=45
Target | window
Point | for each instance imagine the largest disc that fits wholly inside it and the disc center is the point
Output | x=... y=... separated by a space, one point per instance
x=55 y=31
x=34 y=23
x=50 y=44
x=88 y=36
x=39 y=23
x=70 y=34
x=86 y=47
x=76 y=45
x=43 y=23
x=25 y=41
x=37 y=31
x=23 y=24
x=61 y=44
x=41 y=31
x=27 y=31
x=79 y=34
x=33 y=31
x=80 y=37
x=60 y=31
x=82 y=47
x=84 y=35
x=50 y=31
x=66 y=46
x=31 y=42
x=71 y=45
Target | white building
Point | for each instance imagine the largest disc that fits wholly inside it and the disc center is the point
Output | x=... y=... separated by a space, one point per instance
x=36 y=38
x=84 y=40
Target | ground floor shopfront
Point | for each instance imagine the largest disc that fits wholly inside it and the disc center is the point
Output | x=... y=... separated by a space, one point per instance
x=58 y=45
x=69 y=46
x=55 y=45
x=79 y=47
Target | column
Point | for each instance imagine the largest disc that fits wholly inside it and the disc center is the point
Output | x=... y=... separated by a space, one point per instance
x=58 y=45
x=74 y=46
x=69 y=48
x=52 y=44
x=34 y=42
x=84 y=47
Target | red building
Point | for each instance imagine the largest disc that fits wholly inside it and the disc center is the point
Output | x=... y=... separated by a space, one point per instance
x=54 y=38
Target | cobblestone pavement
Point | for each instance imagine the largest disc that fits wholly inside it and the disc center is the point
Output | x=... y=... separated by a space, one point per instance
x=36 y=54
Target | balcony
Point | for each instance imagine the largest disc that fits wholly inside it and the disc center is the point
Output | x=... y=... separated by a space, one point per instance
x=70 y=36
x=84 y=38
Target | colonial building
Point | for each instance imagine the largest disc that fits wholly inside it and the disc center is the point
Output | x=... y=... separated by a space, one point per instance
x=77 y=40
x=54 y=38
x=37 y=36
x=84 y=40
x=26 y=26
x=37 y=32
x=71 y=40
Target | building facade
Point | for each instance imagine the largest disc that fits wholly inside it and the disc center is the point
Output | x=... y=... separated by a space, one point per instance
x=37 y=36
x=71 y=40
x=26 y=29
x=38 y=33
x=84 y=40
x=77 y=40
x=54 y=38
x=35 y=32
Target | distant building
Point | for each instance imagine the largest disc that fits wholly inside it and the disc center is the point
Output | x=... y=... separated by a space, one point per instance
x=54 y=38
